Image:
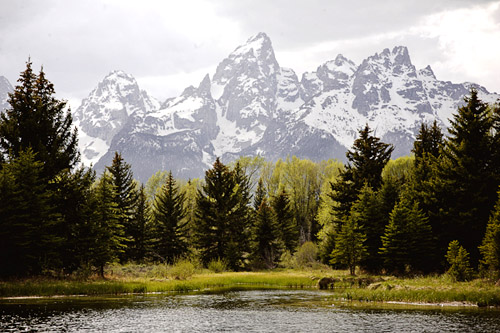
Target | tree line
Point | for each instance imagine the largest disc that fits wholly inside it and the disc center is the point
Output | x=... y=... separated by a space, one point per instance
x=429 y=212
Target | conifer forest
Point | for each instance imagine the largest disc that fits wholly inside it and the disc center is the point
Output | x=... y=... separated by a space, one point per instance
x=434 y=211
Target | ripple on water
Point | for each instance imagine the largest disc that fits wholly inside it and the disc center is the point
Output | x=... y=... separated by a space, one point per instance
x=248 y=311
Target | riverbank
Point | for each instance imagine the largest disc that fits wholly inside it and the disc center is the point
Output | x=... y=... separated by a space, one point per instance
x=424 y=290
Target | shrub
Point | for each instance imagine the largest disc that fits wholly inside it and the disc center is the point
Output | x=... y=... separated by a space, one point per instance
x=307 y=255
x=181 y=270
x=458 y=258
x=217 y=265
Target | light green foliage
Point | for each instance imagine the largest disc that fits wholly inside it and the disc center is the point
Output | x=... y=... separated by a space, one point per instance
x=400 y=168
x=272 y=175
x=154 y=184
x=252 y=167
x=302 y=181
x=217 y=266
x=458 y=259
x=490 y=247
x=324 y=216
x=306 y=256
x=190 y=191
x=350 y=249
x=182 y=269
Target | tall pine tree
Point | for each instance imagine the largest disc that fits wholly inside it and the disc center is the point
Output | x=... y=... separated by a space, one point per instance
x=467 y=178
x=222 y=226
x=28 y=220
x=288 y=231
x=366 y=160
x=37 y=120
x=407 y=244
x=170 y=222
x=108 y=240
x=126 y=200
x=265 y=247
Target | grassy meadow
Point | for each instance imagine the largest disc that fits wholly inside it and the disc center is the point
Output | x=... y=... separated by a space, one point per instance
x=186 y=277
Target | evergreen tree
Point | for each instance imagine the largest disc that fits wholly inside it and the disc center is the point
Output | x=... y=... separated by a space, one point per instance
x=36 y=120
x=142 y=228
x=366 y=213
x=170 y=222
x=287 y=228
x=429 y=141
x=490 y=247
x=29 y=244
x=366 y=161
x=467 y=177
x=458 y=259
x=126 y=200
x=221 y=227
x=266 y=247
x=73 y=199
x=407 y=240
x=349 y=246
x=260 y=195
x=368 y=158
x=107 y=232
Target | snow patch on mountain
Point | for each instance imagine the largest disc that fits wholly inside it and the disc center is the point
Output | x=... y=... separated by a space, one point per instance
x=5 y=89
x=252 y=106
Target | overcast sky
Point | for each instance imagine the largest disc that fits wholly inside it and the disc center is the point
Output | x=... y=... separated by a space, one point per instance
x=168 y=45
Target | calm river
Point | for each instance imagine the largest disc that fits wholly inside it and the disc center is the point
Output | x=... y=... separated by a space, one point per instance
x=236 y=311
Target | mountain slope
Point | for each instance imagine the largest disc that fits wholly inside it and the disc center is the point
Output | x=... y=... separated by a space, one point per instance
x=5 y=89
x=252 y=106
x=107 y=109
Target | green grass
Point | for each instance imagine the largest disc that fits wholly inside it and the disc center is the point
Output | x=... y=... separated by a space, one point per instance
x=123 y=285
x=163 y=279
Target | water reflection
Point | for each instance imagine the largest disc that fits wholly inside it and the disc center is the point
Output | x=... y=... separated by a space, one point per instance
x=235 y=311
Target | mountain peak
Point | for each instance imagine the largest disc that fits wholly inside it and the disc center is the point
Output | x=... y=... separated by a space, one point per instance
x=401 y=55
x=258 y=44
x=118 y=75
x=427 y=72
x=260 y=37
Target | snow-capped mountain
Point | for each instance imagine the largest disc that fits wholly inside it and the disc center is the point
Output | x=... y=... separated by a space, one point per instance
x=5 y=89
x=251 y=106
x=106 y=111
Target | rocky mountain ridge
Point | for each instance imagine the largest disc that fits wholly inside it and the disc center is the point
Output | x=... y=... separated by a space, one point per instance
x=252 y=106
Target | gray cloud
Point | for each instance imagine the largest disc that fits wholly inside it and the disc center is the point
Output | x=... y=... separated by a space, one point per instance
x=78 y=42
